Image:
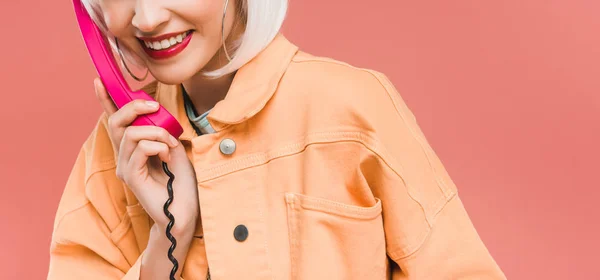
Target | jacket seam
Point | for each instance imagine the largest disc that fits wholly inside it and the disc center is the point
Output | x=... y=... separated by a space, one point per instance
x=87 y=201
x=112 y=201
x=445 y=189
x=362 y=138
x=100 y=170
x=440 y=207
x=68 y=213
x=435 y=209
x=385 y=84
x=324 y=60
x=121 y=230
x=102 y=166
x=261 y=158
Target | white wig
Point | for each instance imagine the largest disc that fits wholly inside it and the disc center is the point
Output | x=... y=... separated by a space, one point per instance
x=263 y=19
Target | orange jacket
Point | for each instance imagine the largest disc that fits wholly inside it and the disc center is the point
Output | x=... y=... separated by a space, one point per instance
x=331 y=176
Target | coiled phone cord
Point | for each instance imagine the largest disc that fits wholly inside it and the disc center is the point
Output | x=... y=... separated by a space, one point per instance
x=171 y=221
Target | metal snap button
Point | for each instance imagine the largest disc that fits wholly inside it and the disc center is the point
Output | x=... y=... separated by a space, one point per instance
x=227 y=146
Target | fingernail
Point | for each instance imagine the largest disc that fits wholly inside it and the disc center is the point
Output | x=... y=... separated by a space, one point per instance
x=152 y=104
x=174 y=141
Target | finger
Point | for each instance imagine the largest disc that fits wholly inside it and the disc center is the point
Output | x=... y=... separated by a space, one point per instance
x=105 y=100
x=128 y=113
x=134 y=134
x=139 y=158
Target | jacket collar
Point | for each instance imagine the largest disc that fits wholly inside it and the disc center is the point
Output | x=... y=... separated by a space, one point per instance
x=253 y=86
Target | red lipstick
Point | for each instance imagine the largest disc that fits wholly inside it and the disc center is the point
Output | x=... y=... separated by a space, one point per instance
x=168 y=52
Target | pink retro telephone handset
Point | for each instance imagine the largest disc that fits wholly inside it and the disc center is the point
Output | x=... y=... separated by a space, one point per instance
x=121 y=94
x=112 y=78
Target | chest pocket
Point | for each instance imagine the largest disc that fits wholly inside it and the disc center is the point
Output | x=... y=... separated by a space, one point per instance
x=331 y=240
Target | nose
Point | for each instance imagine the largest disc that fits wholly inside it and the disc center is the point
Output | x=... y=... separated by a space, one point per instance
x=149 y=15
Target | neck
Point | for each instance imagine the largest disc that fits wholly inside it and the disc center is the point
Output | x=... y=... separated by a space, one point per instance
x=205 y=93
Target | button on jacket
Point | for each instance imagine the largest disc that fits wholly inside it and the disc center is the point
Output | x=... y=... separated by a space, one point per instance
x=316 y=170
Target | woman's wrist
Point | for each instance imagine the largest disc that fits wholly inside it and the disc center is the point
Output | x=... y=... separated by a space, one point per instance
x=185 y=221
x=155 y=261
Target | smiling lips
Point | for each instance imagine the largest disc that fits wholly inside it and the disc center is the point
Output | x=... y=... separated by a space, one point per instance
x=167 y=45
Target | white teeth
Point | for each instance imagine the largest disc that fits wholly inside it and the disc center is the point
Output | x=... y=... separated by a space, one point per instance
x=166 y=43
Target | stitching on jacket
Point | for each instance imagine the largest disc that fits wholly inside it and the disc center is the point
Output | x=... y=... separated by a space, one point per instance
x=296 y=146
x=68 y=213
x=265 y=228
x=112 y=201
x=411 y=250
x=122 y=228
x=425 y=147
x=386 y=85
x=102 y=166
x=257 y=159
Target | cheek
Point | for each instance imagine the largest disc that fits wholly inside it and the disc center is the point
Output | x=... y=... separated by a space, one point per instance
x=204 y=12
x=116 y=19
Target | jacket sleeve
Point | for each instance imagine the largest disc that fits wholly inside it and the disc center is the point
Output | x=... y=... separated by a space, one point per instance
x=429 y=234
x=82 y=245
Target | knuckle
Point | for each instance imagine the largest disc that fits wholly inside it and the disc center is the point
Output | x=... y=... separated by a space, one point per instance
x=138 y=104
x=112 y=122
x=144 y=145
x=127 y=134
x=164 y=148
x=163 y=134
x=120 y=173
x=129 y=106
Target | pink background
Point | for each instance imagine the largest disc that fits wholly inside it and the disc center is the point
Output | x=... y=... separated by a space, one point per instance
x=507 y=92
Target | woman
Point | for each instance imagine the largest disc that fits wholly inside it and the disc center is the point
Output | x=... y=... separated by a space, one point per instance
x=291 y=166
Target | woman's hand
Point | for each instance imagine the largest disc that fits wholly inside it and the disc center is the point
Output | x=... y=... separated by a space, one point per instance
x=140 y=150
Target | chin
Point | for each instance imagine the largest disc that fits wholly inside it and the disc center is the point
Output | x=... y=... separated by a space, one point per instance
x=170 y=77
x=178 y=71
x=175 y=73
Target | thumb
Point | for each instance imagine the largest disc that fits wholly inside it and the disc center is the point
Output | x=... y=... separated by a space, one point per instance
x=179 y=158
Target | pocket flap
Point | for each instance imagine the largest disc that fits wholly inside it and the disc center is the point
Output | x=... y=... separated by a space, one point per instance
x=334 y=207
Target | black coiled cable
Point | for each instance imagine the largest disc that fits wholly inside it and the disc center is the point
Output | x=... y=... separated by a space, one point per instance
x=171 y=221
